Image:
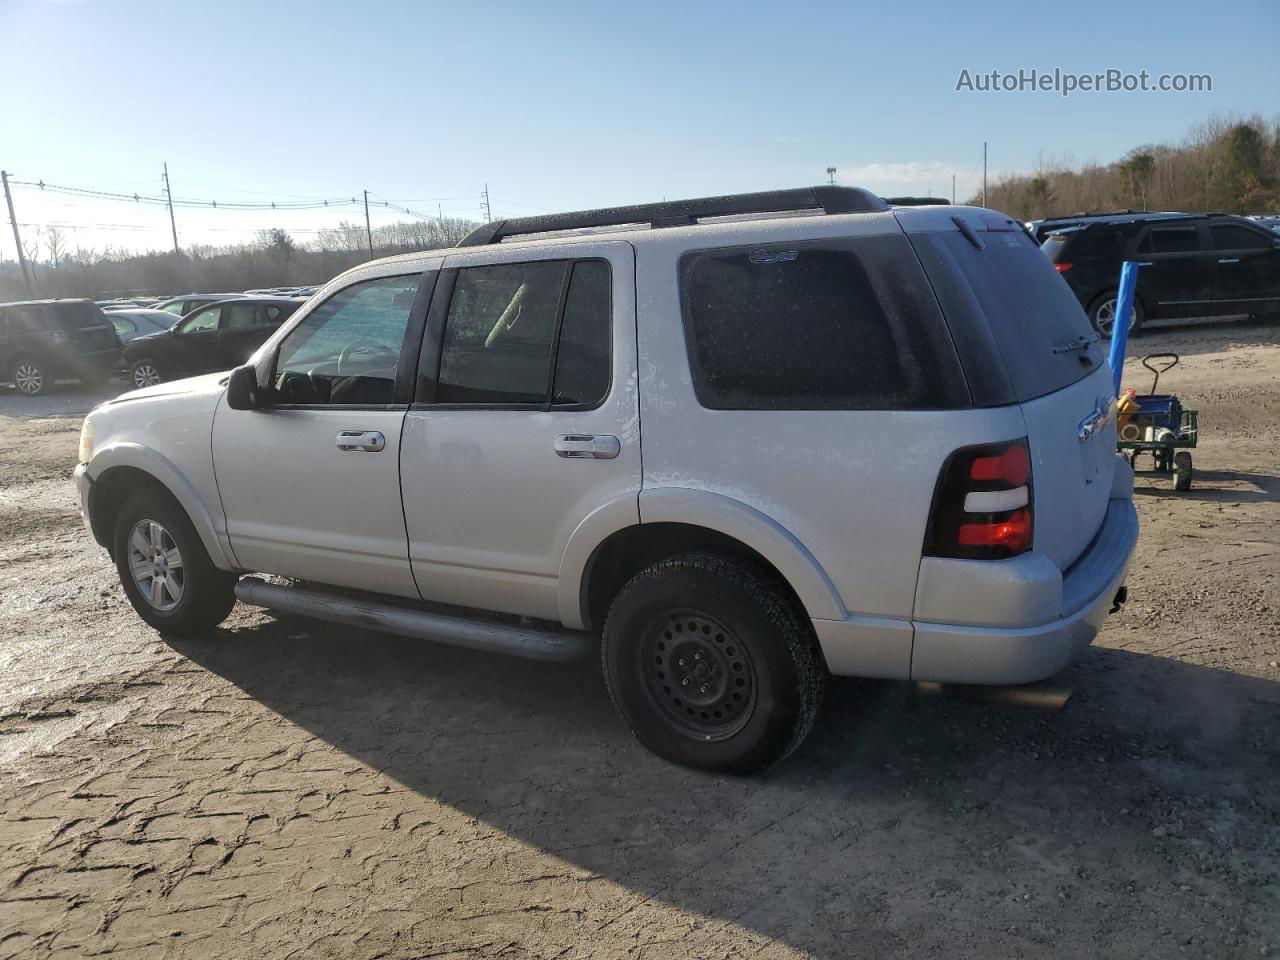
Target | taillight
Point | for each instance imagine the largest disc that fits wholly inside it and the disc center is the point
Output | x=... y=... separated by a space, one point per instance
x=982 y=508
x=1062 y=267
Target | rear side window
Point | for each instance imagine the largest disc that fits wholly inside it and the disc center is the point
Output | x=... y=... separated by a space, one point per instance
x=846 y=325
x=535 y=333
x=1083 y=244
x=1230 y=236
x=77 y=316
x=1170 y=240
x=1008 y=298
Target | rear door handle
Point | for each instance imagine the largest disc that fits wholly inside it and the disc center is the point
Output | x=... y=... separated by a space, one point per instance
x=583 y=446
x=1230 y=260
x=364 y=441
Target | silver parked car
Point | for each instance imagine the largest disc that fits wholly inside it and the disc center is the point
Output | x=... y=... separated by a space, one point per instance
x=134 y=323
x=742 y=443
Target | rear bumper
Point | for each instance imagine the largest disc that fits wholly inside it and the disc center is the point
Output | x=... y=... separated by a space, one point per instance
x=974 y=653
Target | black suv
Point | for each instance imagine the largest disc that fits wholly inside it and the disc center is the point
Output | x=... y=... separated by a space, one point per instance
x=1196 y=265
x=42 y=340
x=216 y=337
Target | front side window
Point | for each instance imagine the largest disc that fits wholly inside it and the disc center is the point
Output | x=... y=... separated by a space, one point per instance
x=1230 y=236
x=201 y=322
x=347 y=349
x=175 y=308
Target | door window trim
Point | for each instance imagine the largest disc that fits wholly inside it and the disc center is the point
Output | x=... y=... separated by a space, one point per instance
x=410 y=346
x=428 y=373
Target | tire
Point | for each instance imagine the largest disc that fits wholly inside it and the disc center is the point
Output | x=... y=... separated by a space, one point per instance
x=1182 y=471
x=751 y=676
x=204 y=594
x=1098 y=314
x=30 y=377
x=145 y=372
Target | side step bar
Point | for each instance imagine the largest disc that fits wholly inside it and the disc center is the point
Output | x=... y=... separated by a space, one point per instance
x=532 y=643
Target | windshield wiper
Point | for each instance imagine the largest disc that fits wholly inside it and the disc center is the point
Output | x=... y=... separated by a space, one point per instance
x=1081 y=342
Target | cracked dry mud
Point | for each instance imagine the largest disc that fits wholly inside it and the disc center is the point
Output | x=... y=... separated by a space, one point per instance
x=288 y=789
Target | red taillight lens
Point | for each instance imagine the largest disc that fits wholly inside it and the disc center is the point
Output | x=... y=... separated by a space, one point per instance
x=1062 y=267
x=982 y=507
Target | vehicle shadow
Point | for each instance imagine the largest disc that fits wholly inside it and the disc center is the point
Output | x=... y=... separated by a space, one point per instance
x=903 y=821
x=1265 y=487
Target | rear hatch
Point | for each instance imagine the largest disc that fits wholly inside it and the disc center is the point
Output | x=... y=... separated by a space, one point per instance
x=1024 y=339
x=86 y=327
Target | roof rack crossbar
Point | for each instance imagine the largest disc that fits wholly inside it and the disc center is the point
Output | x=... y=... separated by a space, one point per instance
x=828 y=199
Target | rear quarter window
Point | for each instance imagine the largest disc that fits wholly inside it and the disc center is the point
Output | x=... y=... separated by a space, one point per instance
x=1009 y=296
x=817 y=325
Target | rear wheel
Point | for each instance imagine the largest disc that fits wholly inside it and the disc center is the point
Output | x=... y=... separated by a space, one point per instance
x=30 y=376
x=711 y=664
x=164 y=568
x=1102 y=313
x=1182 y=471
x=145 y=373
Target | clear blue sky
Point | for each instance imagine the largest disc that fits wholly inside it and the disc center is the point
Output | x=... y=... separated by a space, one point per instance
x=565 y=105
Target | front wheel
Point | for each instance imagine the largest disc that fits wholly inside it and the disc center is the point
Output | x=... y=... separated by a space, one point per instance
x=712 y=665
x=164 y=568
x=145 y=373
x=1102 y=313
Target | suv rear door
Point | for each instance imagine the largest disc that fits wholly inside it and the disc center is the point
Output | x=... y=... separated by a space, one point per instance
x=1247 y=269
x=525 y=420
x=246 y=325
x=1179 y=277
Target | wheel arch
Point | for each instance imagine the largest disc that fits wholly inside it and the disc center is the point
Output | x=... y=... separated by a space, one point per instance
x=120 y=469
x=679 y=520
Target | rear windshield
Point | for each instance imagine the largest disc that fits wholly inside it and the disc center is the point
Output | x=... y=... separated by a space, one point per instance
x=1031 y=314
x=77 y=316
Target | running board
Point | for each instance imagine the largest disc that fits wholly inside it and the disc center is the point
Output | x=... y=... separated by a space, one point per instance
x=532 y=643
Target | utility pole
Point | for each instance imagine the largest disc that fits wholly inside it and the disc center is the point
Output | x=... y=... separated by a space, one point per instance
x=173 y=224
x=953 y=189
x=831 y=176
x=488 y=211
x=367 y=228
x=17 y=239
x=984 y=173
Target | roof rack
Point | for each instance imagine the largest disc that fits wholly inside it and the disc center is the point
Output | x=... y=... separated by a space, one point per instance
x=917 y=201
x=828 y=199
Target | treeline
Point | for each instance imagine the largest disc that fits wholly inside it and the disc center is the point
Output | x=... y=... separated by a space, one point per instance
x=276 y=259
x=1225 y=166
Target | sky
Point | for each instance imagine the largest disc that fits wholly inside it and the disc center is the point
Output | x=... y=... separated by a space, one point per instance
x=565 y=105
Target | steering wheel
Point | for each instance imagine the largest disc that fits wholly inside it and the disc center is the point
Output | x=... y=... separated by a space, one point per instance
x=361 y=346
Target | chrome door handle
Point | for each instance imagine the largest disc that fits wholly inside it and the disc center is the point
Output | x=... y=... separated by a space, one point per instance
x=366 y=441
x=582 y=446
x=1230 y=260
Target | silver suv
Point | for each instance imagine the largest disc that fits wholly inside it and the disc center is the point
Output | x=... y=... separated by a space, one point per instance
x=747 y=442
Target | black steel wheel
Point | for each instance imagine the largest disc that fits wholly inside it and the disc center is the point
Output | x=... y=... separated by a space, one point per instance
x=712 y=664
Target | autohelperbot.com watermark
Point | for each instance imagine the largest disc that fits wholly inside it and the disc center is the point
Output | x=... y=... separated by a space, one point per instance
x=1065 y=83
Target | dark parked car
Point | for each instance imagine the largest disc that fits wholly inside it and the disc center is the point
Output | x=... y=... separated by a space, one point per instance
x=133 y=323
x=1197 y=266
x=183 y=305
x=216 y=337
x=43 y=340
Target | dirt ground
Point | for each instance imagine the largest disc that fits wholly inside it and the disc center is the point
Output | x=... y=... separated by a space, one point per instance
x=287 y=789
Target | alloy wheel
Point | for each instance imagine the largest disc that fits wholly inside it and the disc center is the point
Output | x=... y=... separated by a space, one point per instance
x=145 y=375
x=28 y=378
x=156 y=565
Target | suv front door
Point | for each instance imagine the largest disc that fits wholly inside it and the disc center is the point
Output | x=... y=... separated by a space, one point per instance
x=525 y=422
x=1178 y=278
x=1247 y=278
x=310 y=482
x=194 y=344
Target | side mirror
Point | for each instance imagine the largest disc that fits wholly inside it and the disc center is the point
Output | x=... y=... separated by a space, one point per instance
x=243 y=392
